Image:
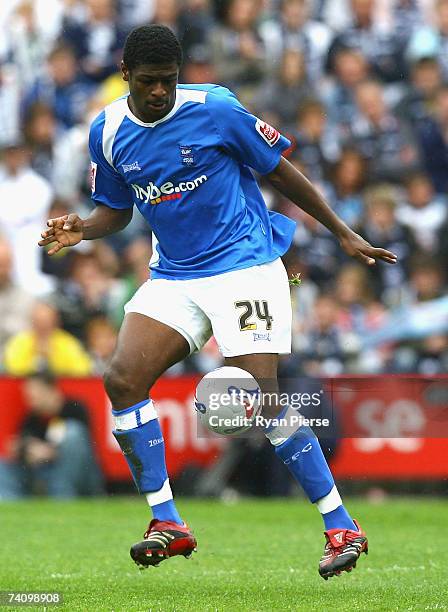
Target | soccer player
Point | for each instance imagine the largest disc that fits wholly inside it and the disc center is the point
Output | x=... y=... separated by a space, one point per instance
x=183 y=155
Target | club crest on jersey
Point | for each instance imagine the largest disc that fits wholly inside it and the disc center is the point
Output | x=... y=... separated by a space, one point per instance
x=130 y=167
x=267 y=132
x=187 y=155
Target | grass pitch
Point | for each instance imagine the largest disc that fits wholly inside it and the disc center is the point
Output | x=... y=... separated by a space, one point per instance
x=254 y=555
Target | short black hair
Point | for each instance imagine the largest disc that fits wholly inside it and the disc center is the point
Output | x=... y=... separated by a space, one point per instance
x=151 y=44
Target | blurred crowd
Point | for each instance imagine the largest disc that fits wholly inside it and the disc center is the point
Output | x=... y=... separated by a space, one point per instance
x=360 y=87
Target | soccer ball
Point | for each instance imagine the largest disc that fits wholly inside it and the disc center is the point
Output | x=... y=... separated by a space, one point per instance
x=227 y=400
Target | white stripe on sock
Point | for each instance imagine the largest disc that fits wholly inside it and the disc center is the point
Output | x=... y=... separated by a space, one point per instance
x=280 y=434
x=330 y=502
x=162 y=495
x=129 y=420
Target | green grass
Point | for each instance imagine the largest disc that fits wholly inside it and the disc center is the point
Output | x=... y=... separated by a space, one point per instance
x=254 y=555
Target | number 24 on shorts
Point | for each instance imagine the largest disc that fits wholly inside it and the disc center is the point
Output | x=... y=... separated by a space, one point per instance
x=261 y=312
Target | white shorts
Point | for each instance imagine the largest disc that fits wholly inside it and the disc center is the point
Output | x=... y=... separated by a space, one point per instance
x=248 y=311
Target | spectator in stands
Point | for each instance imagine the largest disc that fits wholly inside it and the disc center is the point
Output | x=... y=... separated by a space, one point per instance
x=376 y=42
x=101 y=338
x=316 y=141
x=325 y=347
x=71 y=176
x=166 y=12
x=431 y=40
x=133 y=13
x=53 y=453
x=431 y=356
x=349 y=177
x=350 y=69
x=337 y=14
x=9 y=103
x=58 y=267
x=96 y=41
x=442 y=252
x=423 y=212
x=291 y=80
x=199 y=68
x=320 y=252
x=45 y=346
x=359 y=315
x=238 y=51
x=419 y=101
x=380 y=136
x=134 y=272
x=405 y=17
x=40 y=133
x=359 y=310
x=428 y=356
x=303 y=295
x=433 y=140
x=195 y=26
x=380 y=224
x=425 y=279
x=25 y=198
x=26 y=41
x=15 y=302
x=294 y=30
x=89 y=291
x=61 y=87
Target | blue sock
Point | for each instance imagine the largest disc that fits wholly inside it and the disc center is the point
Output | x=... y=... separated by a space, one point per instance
x=303 y=456
x=143 y=447
x=166 y=511
x=339 y=519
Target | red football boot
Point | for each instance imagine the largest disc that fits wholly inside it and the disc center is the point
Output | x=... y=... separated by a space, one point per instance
x=342 y=551
x=163 y=539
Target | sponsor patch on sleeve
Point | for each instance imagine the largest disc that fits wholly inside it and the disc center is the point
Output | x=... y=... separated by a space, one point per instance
x=93 y=167
x=267 y=132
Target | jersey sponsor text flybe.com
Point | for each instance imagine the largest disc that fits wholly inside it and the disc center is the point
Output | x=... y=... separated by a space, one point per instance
x=153 y=194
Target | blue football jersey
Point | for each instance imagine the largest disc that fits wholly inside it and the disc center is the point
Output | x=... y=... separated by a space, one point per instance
x=189 y=174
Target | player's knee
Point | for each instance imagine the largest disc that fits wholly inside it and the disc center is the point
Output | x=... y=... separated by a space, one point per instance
x=118 y=384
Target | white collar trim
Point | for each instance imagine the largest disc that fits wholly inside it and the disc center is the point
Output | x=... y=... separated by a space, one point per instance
x=182 y=96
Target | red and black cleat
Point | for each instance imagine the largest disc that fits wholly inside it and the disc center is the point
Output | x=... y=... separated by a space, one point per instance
x=163 y=539
x=342 y=551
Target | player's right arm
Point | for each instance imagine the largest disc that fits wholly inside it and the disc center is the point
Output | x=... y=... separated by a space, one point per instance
x=110 y=194
x=69 y=230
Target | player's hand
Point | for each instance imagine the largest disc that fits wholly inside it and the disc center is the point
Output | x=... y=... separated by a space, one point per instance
x=62 y=232
x=355 y=246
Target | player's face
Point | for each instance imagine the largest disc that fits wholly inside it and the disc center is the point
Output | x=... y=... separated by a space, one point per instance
x=152 y=88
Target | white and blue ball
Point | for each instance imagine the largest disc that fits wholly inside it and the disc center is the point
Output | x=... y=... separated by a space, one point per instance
x=228 y=400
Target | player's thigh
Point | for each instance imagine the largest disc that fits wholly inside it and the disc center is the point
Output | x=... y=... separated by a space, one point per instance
x=250 y=312
x=145 y=349
x=161 y=327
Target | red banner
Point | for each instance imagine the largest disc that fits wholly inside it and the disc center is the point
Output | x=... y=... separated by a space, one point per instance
x=174 y=398
x=396 y=427
x=373 y=407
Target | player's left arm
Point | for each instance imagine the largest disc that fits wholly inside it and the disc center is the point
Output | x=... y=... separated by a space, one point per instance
x=297 y=188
